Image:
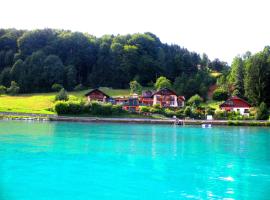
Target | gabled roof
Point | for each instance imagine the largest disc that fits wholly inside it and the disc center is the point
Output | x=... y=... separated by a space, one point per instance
x=164 y=91
x=235 y=101
x=147 y=94
x=96 y=90
x=181 y=98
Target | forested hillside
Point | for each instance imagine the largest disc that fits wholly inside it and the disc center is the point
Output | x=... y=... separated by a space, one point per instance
x=249 y=77
x=37 y=59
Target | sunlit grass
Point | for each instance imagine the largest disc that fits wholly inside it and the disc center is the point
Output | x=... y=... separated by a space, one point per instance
x=42 y=102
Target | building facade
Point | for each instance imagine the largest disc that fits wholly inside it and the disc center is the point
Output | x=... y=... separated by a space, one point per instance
x=97 y=95
x=236 y=104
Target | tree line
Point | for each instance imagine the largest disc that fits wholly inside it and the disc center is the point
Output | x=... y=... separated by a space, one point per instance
x=37 y=59
x=249 y=77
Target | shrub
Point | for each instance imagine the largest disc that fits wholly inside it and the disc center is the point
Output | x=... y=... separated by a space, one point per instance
x=195 y=100
x=106 y=109
x=188 y=111
x=117 y=109
x=220 y=114
x=3 y=89
x=262 y=112
x=75 y=107
x=169 y=113
x=209 y=111
x=144 y=109
x=62 y=95
x=157 y=106
x=155 y=110
x=180 y=114
x=198 y=114
x=101 y=109
x=220 y=95
x=79 y=87
x=61 y=107
x=13 y=89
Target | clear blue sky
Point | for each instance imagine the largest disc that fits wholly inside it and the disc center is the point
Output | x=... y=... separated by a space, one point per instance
x=220 y=28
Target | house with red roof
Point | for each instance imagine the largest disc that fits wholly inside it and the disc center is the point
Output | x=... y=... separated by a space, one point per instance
x=236 y=104
x=97 y=95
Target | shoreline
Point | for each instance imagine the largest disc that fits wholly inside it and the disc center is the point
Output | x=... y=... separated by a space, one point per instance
x=48 y=117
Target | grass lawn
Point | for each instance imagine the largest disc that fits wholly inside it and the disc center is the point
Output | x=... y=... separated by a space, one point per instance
x=213 y=104
x=41 y=102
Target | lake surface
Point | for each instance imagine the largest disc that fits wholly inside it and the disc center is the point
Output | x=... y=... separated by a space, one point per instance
x=81 y=161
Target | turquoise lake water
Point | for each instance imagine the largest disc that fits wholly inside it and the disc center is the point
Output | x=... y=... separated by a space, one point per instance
x=81 y=161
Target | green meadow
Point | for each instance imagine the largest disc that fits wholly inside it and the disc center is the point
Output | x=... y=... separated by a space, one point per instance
x=41 y=103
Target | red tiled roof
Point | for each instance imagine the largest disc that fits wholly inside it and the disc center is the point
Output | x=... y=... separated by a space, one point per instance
x=164 y=91
x=235 y=102
x=97 y=90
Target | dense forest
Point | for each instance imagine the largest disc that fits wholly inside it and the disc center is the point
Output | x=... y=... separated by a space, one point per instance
x=37 y=59
x=249 y=77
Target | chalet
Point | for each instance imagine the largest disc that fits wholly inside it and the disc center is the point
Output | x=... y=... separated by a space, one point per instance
x=131 y=105
x=146 y=99
x=97 y=95
x=167 y=98
x=120 y=100
x=236 y=104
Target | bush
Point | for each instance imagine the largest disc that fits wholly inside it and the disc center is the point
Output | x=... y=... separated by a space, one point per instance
x=56 y=87
x=157 y=106
x=62 y=95
x=101 y=109
x=61 y=107
x=117 y=109
x=195 y=100
x=3 y=89
x=79 y=87
x=169 y=113
x=75 y=107
x=188 y=111
x=262 y=112
x=180 y=114
x=155 y=110
x=94 y=108
x=209 y=111
x=13 y=89
x=144 y=109
x=220 y=95
x=197 y=114
x=220 y=114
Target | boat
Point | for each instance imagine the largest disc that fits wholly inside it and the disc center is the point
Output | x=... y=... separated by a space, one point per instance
x=206 y=125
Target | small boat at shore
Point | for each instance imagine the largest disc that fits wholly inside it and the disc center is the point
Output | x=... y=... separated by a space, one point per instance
x=206 y=125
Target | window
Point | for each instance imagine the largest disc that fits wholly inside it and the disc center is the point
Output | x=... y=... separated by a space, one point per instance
x=246 y=111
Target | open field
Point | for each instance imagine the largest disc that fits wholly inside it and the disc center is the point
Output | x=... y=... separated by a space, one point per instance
x=42 y=102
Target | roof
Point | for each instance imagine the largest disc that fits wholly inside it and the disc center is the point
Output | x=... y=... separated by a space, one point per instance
x=181 y=98
x=236 y=102
x=147 y=94
x=164 y=91
x=96 y=90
